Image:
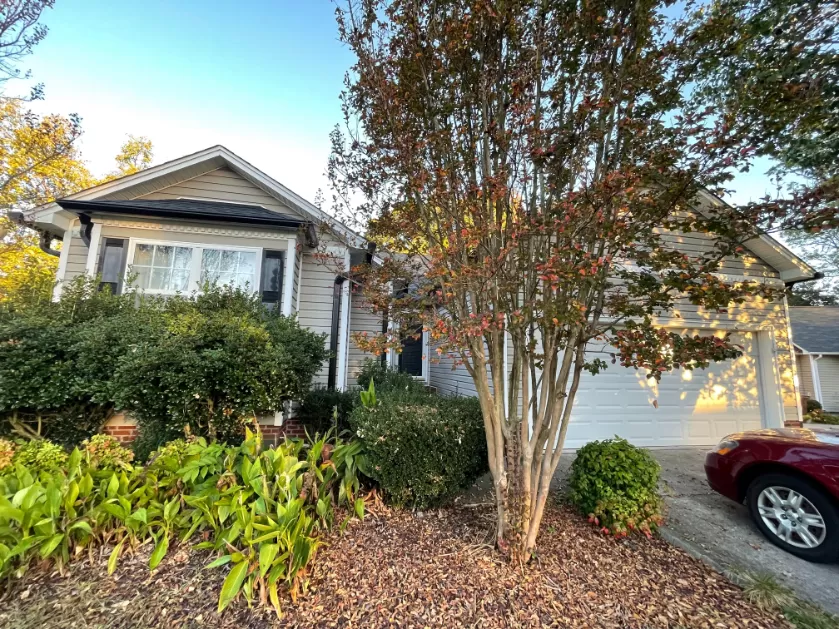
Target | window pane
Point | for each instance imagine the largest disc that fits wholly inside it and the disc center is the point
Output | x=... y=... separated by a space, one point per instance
x=143 y=254
x=180 y=281
x=247 y=262
x=160 y=279
x=183 y=258
x=111 y=262
x=229 y=268
x=271 y=274
x=143 y=274
x=163 y=256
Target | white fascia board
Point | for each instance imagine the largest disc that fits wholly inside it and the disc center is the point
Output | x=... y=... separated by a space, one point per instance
x=219 y=156
x=764 y=245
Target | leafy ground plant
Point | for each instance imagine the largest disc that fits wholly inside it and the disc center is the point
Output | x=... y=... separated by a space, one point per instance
x=261 y=508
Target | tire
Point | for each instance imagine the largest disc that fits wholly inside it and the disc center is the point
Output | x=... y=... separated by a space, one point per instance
x=792 y=523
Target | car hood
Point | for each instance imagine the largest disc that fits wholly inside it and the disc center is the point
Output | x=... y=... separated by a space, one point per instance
x=813 y=435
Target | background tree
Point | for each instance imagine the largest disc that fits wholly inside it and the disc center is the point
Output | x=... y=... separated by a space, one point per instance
x=135 y=155
x=530 y=158
x=810 y=295
x=774 y=65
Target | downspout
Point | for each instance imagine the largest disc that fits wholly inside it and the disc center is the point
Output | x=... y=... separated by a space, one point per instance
x=337 y=293
x=814 y=372
x=45 y=238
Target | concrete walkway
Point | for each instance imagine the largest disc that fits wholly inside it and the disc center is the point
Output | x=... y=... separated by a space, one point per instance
x=721 y=532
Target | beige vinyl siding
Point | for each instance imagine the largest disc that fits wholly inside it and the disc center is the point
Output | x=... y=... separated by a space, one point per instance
x=361 y=320
x=828 y=367
x=697 y=244
x=755 y=314
x=222 y=185
x=805 y=375
x=76 y=259
x=317 y=284
x=163 y=181
x=449 y=379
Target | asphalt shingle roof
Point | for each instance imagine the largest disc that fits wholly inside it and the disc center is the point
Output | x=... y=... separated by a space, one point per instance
x=816 y=328
x=186 y=209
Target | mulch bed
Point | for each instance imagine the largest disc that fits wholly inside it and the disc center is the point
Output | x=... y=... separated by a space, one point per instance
x=398 y=569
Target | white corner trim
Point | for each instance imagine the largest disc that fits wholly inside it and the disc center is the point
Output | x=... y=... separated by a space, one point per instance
x=288 y=275
x=796 y=388
x=62 y=264
x=93 y=249
x=343 y=329
x=771 y=394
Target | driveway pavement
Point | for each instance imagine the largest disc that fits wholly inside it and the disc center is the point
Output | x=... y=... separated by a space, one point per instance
x=720 y=531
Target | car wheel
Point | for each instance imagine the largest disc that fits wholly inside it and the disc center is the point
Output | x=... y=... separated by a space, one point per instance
x=795 y=515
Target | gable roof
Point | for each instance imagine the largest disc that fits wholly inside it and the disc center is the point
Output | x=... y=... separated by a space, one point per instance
x=790 y=267
x=815 y=329
x=215 y=211
x=187 y=167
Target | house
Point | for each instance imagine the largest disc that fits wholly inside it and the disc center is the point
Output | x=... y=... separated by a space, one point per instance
x=815 y=336
x=212 y=213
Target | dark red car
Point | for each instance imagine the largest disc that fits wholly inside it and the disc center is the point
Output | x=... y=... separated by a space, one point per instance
x=789 y=478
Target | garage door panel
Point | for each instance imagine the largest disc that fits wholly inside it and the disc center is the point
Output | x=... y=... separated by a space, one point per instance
x=697 y=407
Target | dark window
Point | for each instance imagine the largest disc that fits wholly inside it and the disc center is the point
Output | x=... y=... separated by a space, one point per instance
x=410 y=360
x=272 y=277
x=112 y=263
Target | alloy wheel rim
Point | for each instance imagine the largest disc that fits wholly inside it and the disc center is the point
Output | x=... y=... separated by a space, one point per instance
x=791 y=517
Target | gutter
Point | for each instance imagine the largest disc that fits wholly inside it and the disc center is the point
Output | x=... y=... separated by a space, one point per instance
x=45 y=238
x=818 y=275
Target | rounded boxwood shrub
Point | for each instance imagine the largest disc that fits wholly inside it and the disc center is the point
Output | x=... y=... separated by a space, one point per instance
x=813 y=405
x=387 y=380
x=616 y=485
x=422 y=449
x=317 y=411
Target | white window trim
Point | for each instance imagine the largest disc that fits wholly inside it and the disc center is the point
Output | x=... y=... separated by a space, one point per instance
x=288 y=279
x=62 y=263
x=93 y=249
x=195 y=269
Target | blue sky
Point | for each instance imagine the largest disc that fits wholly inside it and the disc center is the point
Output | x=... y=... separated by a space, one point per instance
x=260 y=77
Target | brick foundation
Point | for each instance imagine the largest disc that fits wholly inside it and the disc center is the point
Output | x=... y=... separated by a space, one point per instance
x=290 y=428
x=124 y=433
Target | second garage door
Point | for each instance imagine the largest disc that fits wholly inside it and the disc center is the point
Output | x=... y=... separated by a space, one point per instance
x=697 y=407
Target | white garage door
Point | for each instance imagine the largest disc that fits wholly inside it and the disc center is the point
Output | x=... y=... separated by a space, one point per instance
x=696 y=407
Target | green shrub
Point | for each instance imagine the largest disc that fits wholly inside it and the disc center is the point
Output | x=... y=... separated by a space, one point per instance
x=105 y=452
x=818 y=416
x=215 y=370
x=317 y=410
x=616 y=485
x=422 y=449
x=7 y=454
x=387 y=380
x=813 y=405
x=40 y=455
x=261 y=509
x=211 y=361
x=47 y=392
